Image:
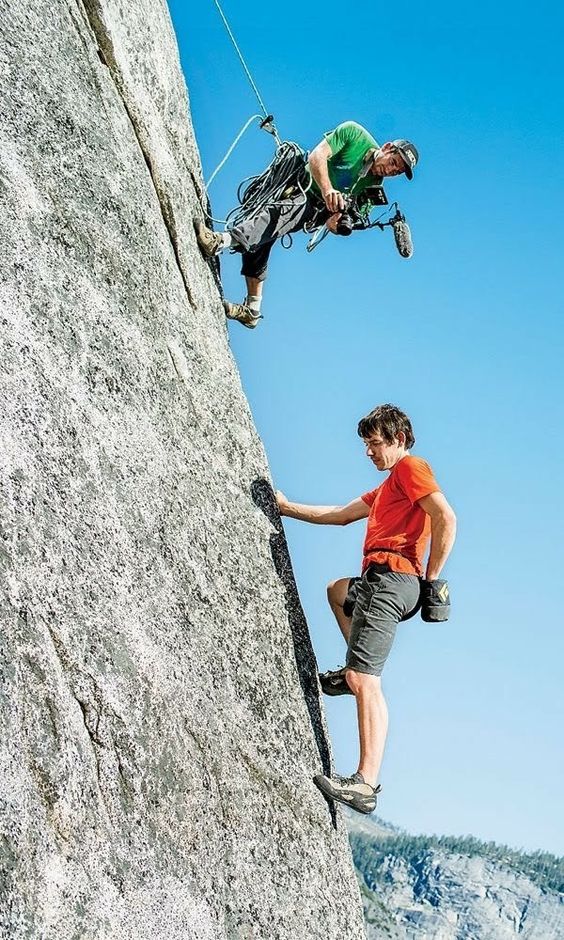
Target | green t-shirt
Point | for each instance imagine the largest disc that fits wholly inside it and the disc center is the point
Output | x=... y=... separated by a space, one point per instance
x=349 y=143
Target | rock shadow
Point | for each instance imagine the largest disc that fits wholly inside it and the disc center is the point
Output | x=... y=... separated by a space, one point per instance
x=263 y=497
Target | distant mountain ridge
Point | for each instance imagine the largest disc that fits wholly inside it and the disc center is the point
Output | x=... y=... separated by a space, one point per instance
x=454 y=888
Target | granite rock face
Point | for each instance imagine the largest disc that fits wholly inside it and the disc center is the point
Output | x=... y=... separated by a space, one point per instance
x=159 y=709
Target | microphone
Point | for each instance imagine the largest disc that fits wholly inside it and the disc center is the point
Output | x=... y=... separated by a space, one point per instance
x=402 y=236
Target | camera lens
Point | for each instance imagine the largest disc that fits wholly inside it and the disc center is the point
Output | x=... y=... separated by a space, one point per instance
x=345 y=224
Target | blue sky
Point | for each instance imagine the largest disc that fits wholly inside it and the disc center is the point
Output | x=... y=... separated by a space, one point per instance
x=467 y=337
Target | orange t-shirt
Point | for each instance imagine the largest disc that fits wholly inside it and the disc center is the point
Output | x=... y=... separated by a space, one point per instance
x=396 y=520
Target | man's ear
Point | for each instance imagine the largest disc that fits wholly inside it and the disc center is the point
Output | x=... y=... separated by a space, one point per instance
x=401 y=438
x=387 y=146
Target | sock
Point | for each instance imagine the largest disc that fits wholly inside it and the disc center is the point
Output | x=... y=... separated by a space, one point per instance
x=227 y=239
x=253 y=301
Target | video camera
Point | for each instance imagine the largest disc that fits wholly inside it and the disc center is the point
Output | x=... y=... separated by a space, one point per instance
x=356 y=216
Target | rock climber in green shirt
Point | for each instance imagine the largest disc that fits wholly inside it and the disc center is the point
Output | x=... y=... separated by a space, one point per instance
x=346 y=162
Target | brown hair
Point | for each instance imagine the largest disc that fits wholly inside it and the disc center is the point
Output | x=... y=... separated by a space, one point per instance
x=389 y=421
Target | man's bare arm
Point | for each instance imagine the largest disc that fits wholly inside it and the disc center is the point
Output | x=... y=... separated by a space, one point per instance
x=323 y=515
x=443 y=532
x=318 y=165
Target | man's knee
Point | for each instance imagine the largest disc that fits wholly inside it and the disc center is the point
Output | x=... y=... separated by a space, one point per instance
x=337 y=591
x=363 y=683
x=331 y=590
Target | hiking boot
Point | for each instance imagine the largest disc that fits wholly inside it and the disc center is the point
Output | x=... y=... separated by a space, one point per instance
x=210 y=242
x=352 y=791
x=242 y=313
x=333 y=682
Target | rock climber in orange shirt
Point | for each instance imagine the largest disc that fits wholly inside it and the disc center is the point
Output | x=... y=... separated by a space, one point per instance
x=402 y=513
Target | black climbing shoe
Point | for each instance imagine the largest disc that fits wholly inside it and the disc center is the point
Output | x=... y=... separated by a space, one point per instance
x=242 y=313
x=333 y=682
x=210 y=242
x=352 y=791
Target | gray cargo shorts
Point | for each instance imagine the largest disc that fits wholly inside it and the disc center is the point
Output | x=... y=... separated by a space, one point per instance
x=381 y=603
x=257 y=234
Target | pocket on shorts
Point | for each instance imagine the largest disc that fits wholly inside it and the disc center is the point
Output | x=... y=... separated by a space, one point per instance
x=350 y=599
x=374 y=588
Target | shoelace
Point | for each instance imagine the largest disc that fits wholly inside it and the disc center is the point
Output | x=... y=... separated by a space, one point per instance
x=357 y=778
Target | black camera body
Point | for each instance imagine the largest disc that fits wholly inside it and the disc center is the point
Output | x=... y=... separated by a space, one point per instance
x=355 y=214
x=349 y=220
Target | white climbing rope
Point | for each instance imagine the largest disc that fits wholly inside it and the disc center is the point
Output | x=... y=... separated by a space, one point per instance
x=232 y=148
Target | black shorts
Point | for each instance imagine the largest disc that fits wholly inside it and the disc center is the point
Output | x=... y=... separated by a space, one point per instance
x=383 y=598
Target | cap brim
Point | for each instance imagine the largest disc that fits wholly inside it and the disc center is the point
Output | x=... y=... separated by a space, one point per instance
x=408 y=171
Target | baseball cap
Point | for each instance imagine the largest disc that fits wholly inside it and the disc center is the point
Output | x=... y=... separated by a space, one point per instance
x=409 y=154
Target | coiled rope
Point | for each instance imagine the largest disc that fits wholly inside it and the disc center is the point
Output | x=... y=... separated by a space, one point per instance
x=287 y=171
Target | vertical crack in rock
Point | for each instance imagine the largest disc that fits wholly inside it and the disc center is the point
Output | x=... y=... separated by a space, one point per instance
x=90 y=712
x=107 y=56
x=196 y=184
x=91 y=721
x=263 y=496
